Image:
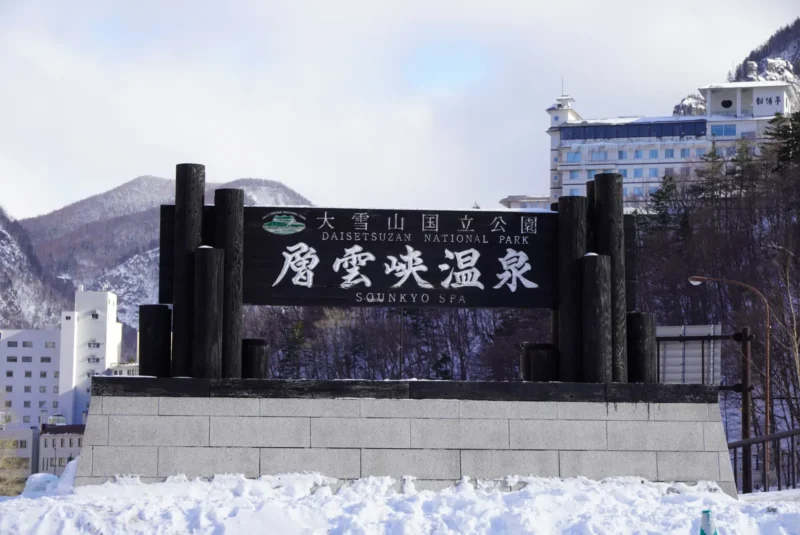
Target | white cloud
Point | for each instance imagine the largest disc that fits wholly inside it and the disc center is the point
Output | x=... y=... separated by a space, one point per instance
x=341 y=101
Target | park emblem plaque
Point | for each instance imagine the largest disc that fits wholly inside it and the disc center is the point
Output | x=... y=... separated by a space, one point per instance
x=436 y=258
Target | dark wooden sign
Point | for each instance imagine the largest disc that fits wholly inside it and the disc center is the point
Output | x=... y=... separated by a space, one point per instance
x=357 y=257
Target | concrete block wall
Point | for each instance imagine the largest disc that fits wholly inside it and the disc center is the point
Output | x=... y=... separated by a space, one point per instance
x=436 y=440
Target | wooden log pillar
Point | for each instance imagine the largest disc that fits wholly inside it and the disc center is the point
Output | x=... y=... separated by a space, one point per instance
x=631 y=261
x=190 y=180
x=596 y=318
x=229 y=237
x=155 y=340
x=525 y=363
x=611 y=242
x=591 y=238
x=207 y=329
x=642 y=365
x=166 y=253
x=554 y=313
x=255 y=360
x=571 y=249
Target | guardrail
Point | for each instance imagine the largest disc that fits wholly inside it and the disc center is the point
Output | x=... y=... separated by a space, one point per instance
x=785 y=471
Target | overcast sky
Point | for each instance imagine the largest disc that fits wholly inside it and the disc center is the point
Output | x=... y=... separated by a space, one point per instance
x=412 y=103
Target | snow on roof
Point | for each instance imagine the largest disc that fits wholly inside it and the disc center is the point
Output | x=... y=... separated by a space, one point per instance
x=744 y=85
x=637 y=119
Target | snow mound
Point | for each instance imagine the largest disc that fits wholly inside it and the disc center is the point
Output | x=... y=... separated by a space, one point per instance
x=39 y=485
x=310 y=504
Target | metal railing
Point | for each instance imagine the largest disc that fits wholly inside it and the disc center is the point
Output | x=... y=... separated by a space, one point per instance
x=785 y=470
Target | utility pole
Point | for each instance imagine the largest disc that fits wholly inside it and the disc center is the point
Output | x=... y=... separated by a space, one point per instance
x=744 y=338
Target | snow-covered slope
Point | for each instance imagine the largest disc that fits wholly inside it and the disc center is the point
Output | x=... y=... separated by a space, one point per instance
x=690 y=105
x=28 y=298
x=135 y=282
x=82 y=242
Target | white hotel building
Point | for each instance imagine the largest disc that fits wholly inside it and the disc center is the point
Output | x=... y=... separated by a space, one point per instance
x=645 y=149
x=47 y=372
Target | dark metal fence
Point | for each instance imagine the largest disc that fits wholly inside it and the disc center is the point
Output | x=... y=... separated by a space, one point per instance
x=785 y=461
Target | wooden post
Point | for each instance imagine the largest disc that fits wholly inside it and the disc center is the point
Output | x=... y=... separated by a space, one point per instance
x=255 y=359
x=525 y=363
x=591 y=241
x=642 y=366
x=155 y=340
x=596 y=319
x=611 y=242
x=166 y=253
x=229 y=236
x=544 y=362
x=571 y=248
x=190 y=180
x=744 y=337
x=554 y=313
x=631 y=260
x=208 y=293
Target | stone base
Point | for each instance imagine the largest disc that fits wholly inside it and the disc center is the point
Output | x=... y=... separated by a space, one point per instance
x=154 y=435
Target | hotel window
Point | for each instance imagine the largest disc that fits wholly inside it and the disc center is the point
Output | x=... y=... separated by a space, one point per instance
x=11 y=344
x=71 y=445
x=9 y=388
x=23 y=444
x=573 y=191
x=55 y=390
x=624 y=192
x=11 y=359
x=26 y=404
x=28 y=374
x=26 y=419
x=49 y=345
x=653 y=154
x=622 y=155
x=723 y=130
x=637 y=190
x=684 y=153
x=700 y=153
x=27 y=344
x=624 y=173
x=574 y=175
x=43 y=390
x=27 y=359
x=555 y=159
x=555 y=178
x=45 y=359
x=638 y=173
x=80 y=442
x=95 y=316
x=62 y=442
x=43 y=375
x=600 y=156
x=684 y=171
x=56 y=374
x=61 y=461
x=573 y=157
x=669 y=153
x=653 y=189
x=638 y=154
x=669 y=171
x=555 y=118
x=9 y=373
x=590 y=173
x=28 y=389
x=8 y=403
x=42 y=404
x=654 y=172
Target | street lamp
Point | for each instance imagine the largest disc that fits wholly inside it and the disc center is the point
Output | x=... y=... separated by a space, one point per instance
x=697 y=280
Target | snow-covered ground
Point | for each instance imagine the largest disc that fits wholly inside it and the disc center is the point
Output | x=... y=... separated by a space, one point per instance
x=304 y=504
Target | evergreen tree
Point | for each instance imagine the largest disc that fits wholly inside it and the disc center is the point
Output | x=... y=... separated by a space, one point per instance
x=784 y=132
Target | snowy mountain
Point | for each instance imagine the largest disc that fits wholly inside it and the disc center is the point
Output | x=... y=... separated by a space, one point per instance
x=778 y=59
x=693 y=104
x=28 y=297
x=110 y=241
x=83 y=241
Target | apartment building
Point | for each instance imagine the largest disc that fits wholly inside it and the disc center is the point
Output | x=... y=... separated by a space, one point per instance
x=19 y=451
x=46 y=373
x=58 y=445
x=30 y=374
x=645 y=149
x=91 y=342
